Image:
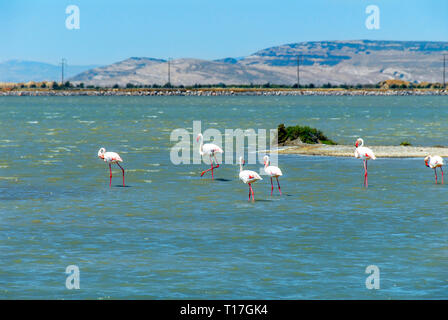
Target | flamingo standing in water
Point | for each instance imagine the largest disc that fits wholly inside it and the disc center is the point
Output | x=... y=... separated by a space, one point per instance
x=111 y=157
x=248 y=177
x=435 y=162
x=365 y=154
x=208 y=149
x=273 y=171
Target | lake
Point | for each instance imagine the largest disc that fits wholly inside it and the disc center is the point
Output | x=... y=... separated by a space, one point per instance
x=171 y=234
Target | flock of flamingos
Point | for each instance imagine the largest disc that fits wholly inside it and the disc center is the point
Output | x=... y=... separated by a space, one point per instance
x=249 y=177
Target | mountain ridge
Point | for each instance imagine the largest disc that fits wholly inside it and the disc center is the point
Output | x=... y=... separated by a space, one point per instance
x=17 y=70
x=336 y=62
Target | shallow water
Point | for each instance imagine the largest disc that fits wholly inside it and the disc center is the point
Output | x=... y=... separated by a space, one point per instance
x=171 y=234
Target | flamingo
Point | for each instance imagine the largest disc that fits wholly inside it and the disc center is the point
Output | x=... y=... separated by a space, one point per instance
x=365 y=154
x=208 y=149
x=273 y=171
x=248 y=177
x=111 y=157
x=435 y=162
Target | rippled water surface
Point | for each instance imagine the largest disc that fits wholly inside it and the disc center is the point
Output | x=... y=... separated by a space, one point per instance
x=171 y=234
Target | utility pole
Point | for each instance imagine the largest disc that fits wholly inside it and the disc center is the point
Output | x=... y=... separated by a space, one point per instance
x=169 y=70
x=298 y=71
x=444 y=71
x=63 y=62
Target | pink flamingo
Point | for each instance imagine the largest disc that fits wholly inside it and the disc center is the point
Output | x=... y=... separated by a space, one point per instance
x=248 y=177
x=365 y=154
x=111 y=157
x=435 y=162
x=272 y=171
x=208 y=149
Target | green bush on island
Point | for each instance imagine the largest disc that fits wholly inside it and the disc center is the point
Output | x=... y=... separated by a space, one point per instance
x=306 y=134
x=405 y=144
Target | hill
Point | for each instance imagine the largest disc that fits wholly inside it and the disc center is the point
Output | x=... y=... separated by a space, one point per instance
x=336 y=62
x=25 y=71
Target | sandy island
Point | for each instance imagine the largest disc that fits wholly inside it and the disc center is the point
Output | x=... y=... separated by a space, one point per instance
x=348 y=151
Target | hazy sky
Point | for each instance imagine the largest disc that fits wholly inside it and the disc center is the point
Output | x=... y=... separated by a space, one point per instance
x=209 y=29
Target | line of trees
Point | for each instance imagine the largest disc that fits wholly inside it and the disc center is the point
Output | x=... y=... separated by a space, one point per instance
x=244 y=86
x=387 y=84
x=384 y=84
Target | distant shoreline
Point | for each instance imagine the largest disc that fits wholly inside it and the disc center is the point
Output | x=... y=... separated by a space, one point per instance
x=226 y=92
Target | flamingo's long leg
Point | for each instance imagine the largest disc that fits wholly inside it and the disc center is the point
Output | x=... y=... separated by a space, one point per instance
x=122 y=171
x=216 y=161
x=367 y=177
x=278 y=183
x=110 y=177
x=249 y=191
x=253 y=196
x=211 y=163
x=364 y=165
x=442 y=173
x=435 y=173
x=365 y=172
x=272 y=186
x=203 y=172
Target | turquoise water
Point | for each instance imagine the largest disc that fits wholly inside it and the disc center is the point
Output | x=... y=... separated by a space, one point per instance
x=172 y=235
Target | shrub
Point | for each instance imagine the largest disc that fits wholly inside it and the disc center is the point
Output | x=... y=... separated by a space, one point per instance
x=267 y=85
x=282 y=134
x=405 y=143
x=306 y=134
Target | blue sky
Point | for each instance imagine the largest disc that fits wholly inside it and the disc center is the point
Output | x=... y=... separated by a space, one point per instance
x=209 y=29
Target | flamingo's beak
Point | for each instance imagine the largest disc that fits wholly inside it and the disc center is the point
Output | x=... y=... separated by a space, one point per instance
x=197 y=139
x=356 y=144
x=426 y=163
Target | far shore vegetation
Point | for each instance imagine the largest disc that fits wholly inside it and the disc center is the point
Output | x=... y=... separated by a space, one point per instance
x=67 y=85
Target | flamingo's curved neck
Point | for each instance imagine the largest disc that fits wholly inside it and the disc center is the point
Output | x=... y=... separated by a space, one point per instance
x=362 y=143
x=201 y=143
x=241 y=165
